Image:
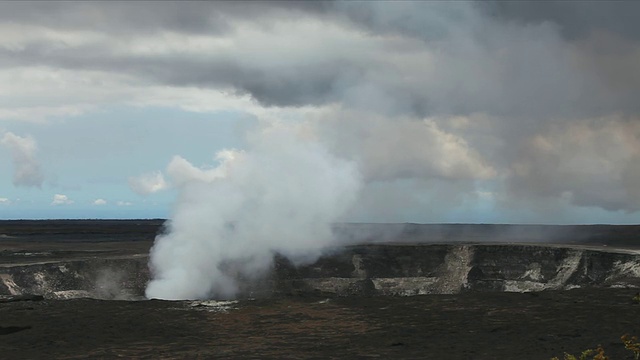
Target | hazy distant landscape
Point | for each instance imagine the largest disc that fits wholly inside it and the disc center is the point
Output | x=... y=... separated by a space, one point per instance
x=146 y=230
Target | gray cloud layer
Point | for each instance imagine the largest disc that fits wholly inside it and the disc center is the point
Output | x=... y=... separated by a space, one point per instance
x=477 y=62
x=539 y=98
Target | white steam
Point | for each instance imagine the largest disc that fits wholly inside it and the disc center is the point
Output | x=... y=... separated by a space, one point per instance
x=279 y=196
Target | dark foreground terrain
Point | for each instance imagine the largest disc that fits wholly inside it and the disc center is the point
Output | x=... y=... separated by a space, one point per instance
x=469 y=326
x=486 y=323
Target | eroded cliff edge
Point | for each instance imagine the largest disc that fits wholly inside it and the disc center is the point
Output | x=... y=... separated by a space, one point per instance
x=454 y=268
x=358 y=270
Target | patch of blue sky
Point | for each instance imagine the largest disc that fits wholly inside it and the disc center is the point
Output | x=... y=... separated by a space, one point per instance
x=91 y=157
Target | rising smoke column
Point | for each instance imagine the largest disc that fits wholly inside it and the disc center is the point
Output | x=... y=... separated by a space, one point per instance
x=280 y=195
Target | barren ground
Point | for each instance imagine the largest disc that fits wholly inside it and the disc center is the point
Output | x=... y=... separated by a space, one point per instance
x=469 y=326
x=465 y=326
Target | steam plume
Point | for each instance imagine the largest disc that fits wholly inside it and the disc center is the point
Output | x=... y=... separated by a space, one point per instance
x=281 y=195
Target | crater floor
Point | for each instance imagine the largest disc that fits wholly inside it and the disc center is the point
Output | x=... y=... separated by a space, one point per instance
x=464 y=326
x=478 y=318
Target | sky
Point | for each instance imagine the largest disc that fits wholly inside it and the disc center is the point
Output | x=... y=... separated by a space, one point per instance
x=463 y=112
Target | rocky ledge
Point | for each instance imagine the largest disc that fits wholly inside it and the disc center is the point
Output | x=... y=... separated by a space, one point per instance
x=359 y=270
x=453 y=268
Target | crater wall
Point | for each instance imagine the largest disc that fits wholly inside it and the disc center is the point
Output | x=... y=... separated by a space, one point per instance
x=454 y=268
x=359 y=270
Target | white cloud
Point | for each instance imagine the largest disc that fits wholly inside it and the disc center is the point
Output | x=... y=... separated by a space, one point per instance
x=182 y=171
x=149 y=183
x=4 y=201
x=99 y=202
x=401 y=148
x=27 y=170
x=124 y=203
x=60 y=199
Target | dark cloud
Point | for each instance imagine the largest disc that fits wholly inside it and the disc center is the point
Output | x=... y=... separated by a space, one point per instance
x=298 y=85
x=205 y=17
x=588 y=163
x=116 y=16
x=478 y=64
x=576 y=19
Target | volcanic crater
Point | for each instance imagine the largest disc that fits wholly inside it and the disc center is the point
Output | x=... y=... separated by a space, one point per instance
x=394 y=290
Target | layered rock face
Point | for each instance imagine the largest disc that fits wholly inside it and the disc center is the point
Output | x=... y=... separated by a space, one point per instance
x=359 y=270
x=449 y=269
x=122 y=278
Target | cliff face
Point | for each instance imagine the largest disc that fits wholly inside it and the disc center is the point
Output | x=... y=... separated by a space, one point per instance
x=102 y=278
x=362 y=270
x=449 y=269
